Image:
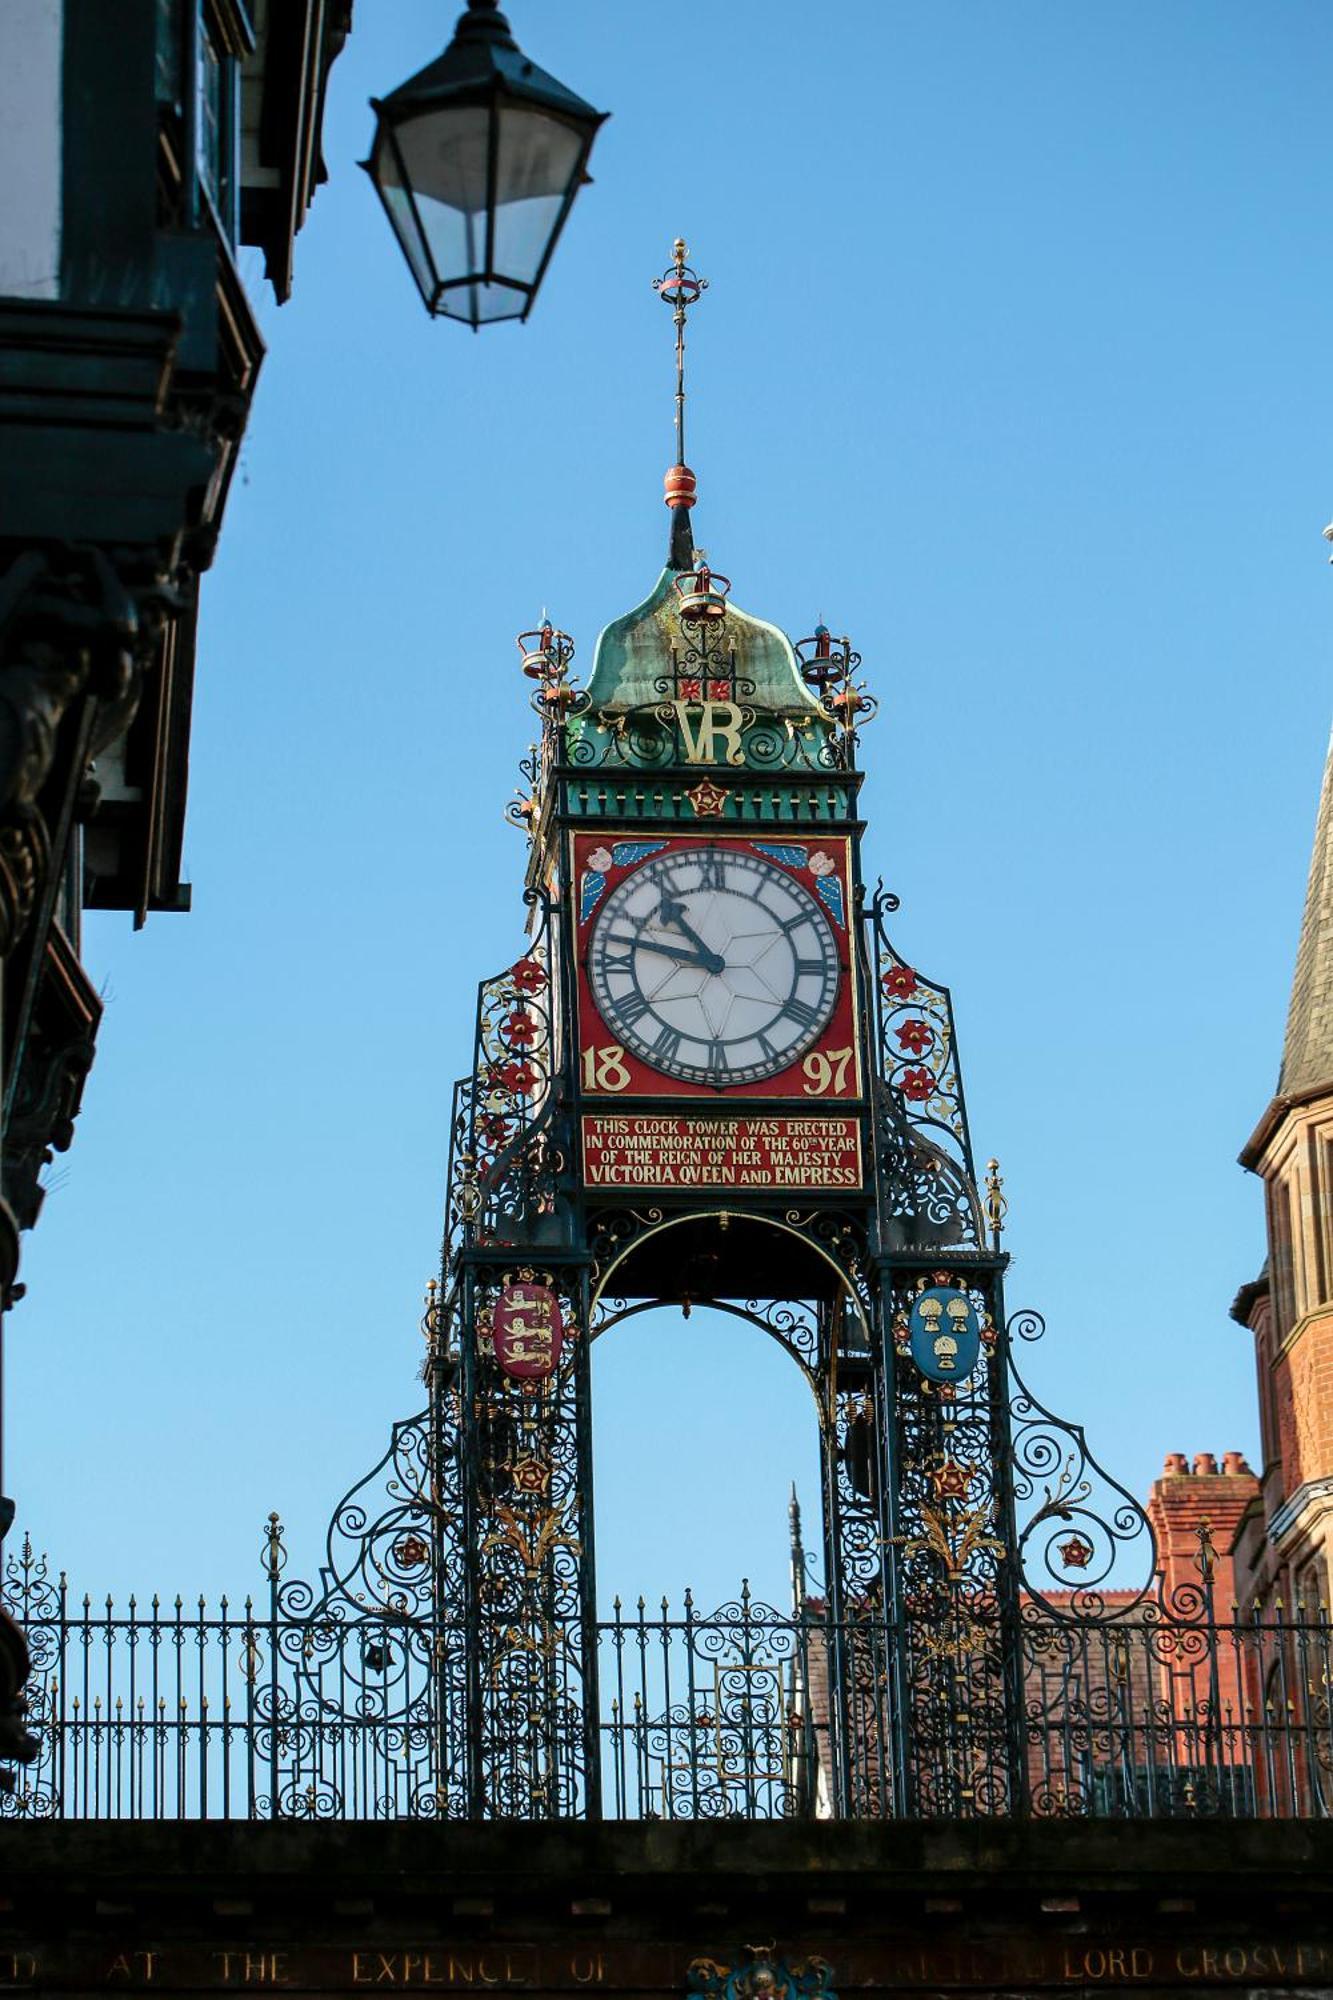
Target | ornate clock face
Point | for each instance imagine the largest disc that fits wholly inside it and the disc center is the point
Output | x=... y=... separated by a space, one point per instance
x=714 y=966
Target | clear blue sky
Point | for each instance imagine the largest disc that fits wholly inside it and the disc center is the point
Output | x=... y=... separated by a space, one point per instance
x=1017 y=366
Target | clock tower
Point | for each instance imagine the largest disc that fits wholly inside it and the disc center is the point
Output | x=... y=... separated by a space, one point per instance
x=709 y=1076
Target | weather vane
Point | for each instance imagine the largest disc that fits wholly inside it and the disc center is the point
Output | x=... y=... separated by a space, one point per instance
x=681 y=288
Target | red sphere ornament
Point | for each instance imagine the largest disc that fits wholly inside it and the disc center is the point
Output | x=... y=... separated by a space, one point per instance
x=681 y=488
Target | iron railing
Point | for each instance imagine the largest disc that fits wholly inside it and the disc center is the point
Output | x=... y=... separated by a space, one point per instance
x=164 y=1712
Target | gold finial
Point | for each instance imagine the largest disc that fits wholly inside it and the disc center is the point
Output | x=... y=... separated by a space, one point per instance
x=1206 y=1560
x=996 y=1205
x=275 y=1555
x=681 y=288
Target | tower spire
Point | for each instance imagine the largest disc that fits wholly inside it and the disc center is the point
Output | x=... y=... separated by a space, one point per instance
x=680 y=287
x=797 y=1554
x=1307 y=1053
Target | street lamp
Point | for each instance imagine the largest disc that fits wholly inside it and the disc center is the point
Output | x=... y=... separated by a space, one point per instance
x=477 y=160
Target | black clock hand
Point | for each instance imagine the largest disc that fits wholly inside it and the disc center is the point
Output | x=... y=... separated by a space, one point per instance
x=709 y=964
x=674 y=913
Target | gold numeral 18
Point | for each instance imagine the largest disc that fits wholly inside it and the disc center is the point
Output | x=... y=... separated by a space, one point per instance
x=604 y=1069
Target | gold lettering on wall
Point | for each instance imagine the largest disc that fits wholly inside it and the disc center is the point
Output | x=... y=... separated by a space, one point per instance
x=717 y=719
x=136 y=1966
x=252 y=1968
x=436 y=1968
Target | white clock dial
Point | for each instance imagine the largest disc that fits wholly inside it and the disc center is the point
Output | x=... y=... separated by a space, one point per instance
x=714 y=965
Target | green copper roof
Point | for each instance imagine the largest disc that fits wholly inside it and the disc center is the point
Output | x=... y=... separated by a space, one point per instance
x=634 y=652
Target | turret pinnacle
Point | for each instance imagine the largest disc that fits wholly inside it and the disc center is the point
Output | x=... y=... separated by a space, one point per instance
x=1307 y=1054
x=680 y=287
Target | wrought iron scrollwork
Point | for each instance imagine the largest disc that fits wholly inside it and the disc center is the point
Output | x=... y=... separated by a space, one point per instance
x=521 y=1446
x=927 y=1180
x=506 y=1147
x=1080 y=1532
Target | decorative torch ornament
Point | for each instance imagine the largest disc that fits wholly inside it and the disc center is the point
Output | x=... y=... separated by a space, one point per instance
x=546 y=654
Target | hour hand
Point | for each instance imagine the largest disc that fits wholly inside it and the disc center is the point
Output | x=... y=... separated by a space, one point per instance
x=674 y=913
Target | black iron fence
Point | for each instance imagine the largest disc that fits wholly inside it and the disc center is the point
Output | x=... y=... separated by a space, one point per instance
x=163 y=1711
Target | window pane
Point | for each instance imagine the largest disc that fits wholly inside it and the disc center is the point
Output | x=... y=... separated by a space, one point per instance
x=216 y=125
x=168 y=52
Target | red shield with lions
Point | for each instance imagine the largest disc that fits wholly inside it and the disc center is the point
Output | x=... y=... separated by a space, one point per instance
x=528 y=1331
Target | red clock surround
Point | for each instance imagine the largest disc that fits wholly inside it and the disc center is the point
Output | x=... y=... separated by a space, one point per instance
x=826 y=1070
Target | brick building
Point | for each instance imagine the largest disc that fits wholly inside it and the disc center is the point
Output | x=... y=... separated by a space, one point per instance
x=1281 y=1541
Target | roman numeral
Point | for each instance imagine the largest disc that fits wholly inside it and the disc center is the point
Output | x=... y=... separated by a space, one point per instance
x=812 y=968
x=712 y=872
x=801 y=1012
x=631 y=1007
x=666 y=1043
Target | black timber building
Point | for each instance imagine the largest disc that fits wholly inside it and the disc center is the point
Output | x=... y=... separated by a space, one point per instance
x=141 y=144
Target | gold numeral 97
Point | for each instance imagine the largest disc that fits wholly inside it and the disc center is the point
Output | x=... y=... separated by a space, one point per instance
x=825 y=1069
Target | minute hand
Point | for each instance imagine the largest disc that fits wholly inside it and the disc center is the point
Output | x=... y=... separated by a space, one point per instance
x=674 y=913
x=709 y=963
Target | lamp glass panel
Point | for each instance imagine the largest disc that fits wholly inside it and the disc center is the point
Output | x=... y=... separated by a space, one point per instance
x=536 y=160
x=405 y=225
x=444 y=158
x=481 y=304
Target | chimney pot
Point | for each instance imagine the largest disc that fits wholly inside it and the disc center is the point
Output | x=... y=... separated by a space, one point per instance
x=1205 y=1464
x=1175 y=1464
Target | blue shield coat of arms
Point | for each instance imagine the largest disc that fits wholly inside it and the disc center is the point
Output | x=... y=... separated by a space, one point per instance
x=945 y=1334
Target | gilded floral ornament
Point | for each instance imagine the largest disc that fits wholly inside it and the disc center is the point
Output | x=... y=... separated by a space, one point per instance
x=708 y=800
